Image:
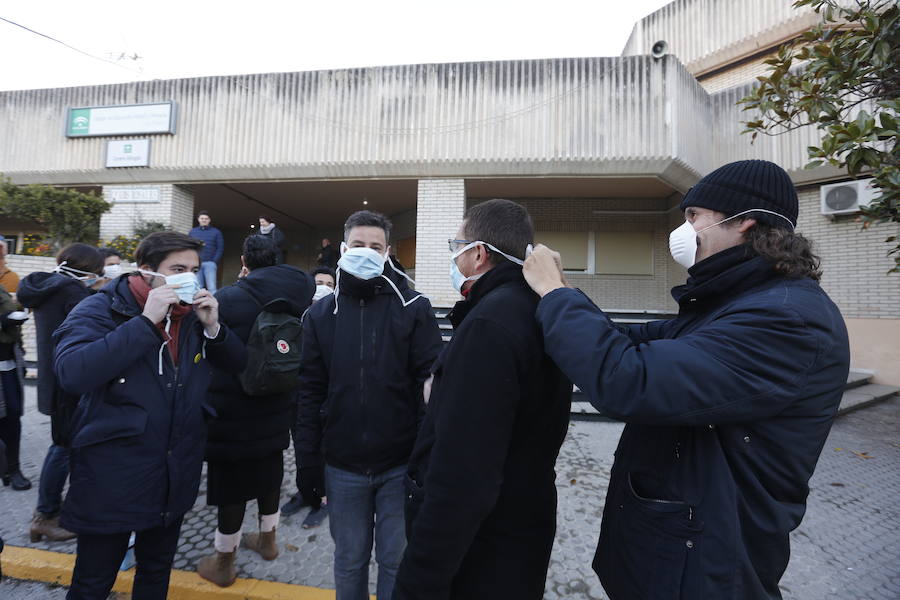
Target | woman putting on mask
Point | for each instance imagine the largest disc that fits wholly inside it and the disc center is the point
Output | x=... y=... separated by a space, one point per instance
x=139 y=354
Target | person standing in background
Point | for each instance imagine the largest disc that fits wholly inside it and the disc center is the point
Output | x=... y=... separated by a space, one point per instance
x=52 y=296
x=328 y=256
x=211 y=253
x=247 y=437
x=12 y=380
x=9 y=280
x=112 y=266
x=271 y=231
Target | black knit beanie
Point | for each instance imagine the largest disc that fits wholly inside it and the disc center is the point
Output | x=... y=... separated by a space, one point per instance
x=746 y=184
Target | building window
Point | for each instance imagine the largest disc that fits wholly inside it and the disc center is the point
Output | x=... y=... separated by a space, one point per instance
x=624 y=253
x=572 y=246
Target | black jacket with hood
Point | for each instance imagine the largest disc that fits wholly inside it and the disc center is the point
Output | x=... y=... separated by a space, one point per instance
x=51 y=297
x=249 y=427
x=362 y=375
x=481 y=491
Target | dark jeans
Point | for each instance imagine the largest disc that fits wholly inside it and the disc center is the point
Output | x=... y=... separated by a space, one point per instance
x=53 y=479
x=11 y=424
x=99 y=557
x=359 y=505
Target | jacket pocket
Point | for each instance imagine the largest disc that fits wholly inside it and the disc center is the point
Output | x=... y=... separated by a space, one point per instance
x=644 y=553
x=109 y=422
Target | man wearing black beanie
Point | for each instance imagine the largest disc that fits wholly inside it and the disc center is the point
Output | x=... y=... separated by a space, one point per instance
x=727 y=406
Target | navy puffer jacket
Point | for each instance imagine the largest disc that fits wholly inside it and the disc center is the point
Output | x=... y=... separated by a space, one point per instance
x=137 y=436
x=727 y=408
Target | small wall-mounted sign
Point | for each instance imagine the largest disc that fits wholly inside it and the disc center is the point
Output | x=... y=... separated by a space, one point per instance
x=128 y=153
x=121 y=194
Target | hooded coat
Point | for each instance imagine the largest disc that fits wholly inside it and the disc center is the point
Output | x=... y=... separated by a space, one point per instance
x=362 y=375
x=51 y=297
x=481 y=485
x=251 y=427
x=138 y=436
x=727 y=408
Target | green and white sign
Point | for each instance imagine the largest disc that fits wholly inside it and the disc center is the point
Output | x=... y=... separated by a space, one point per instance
x=128 y=153
x=130 y=119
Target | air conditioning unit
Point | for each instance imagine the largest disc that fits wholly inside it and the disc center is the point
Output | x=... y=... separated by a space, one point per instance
x=846 y=197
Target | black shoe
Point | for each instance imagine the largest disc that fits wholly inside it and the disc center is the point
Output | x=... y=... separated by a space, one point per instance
x=17 y=480
x=293 y=506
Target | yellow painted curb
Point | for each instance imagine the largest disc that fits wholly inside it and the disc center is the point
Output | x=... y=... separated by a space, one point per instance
x=56 y=567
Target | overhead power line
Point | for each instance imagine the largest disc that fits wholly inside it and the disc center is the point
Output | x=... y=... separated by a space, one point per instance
x=53 y=39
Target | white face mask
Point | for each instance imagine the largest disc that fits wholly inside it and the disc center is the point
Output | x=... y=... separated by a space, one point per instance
x=321 y=292
x=187 y=284
x=683 y=240
x=112 y=271
x=456 y=276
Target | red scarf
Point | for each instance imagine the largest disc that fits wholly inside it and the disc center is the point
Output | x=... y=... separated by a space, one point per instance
x=140 y=290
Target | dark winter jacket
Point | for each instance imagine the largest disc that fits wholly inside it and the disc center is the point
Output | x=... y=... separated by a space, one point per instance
x=51 y=297
x=213 y=243
x=250 y=427
x=277 y=237
x=362 y=375
x=481 y=497
x=727 y=409
x=137 y=436
x=11 y=349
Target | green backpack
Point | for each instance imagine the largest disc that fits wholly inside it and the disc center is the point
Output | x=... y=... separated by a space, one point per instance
x=273 y=350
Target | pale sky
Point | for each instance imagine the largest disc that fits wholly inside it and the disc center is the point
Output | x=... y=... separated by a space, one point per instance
x=189 y=38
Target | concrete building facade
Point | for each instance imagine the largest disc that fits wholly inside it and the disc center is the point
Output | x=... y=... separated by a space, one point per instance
x=600 y=150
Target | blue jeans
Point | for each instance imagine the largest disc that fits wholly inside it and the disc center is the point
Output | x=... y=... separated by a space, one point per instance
x=357 y=505
x=53 y=480
x=206 y=276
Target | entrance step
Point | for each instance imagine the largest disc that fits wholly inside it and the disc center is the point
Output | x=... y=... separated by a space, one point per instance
x=865 y=395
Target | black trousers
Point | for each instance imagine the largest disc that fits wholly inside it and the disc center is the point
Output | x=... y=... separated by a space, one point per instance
x=99 y=557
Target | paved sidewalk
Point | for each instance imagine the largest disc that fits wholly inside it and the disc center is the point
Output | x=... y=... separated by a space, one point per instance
x=848 y=547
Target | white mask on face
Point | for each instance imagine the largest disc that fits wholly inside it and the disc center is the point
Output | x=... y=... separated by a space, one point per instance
x=456 y=276
x=187 y=284
x=112 y=271
x=683 y=240
x=321 y=292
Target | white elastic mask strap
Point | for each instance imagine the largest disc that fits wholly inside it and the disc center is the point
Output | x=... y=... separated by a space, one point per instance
x=518 y=261
x=71 y=271
x=762 y=210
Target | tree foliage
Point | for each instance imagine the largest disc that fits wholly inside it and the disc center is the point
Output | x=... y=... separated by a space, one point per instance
x=842 y=77
x=68 y=215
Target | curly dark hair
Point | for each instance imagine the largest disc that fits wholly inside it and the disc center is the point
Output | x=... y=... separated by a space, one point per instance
x=790 y=253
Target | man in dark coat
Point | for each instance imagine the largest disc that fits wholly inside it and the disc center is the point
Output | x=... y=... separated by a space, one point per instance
x=367 y=351
x=139 y=354
x=272 y=231
x=211 y=253
x=52 y=296
x=481 y=497
x=248 y=434
x=327 y=256
x=727 y=406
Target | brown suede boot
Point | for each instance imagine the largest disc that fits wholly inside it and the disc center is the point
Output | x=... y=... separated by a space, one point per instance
x=43 y=526
x=262 y=543
x=218 y=568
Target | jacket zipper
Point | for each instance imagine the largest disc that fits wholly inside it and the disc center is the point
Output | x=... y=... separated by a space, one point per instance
x=362 y=371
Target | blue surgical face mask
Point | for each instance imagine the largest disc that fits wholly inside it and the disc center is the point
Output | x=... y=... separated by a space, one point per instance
x=456 y=276
x=362 y=263
x=187 y=283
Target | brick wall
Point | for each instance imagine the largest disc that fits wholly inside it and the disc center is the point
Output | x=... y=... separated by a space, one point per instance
x=25 y=265
x=175 y=209
x=440 y=208
x=854 y=261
